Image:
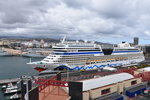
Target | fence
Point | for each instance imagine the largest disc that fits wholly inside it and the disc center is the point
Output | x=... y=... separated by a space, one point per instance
x=50 y=86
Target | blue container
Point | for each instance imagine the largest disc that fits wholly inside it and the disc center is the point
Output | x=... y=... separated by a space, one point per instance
x=133 y=94
x=120 y=98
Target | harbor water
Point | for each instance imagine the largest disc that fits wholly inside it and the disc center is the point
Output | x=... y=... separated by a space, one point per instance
x=13 y=67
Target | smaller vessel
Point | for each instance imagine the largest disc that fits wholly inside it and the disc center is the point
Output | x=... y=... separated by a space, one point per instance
x=11 y=91
x=13 y=87
x=10 y=88
x=9 y=85
x=14 y=97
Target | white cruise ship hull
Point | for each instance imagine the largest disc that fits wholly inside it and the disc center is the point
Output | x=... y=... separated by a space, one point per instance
x=88 y=56
x=41 y=66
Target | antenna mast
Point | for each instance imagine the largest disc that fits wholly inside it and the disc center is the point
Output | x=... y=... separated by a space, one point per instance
x=64 y=39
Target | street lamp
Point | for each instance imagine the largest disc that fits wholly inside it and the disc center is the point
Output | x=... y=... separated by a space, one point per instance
x=67 y=74
x=27 y=91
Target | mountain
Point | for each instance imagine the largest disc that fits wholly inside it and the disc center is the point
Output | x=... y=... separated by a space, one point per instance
x=42 y=38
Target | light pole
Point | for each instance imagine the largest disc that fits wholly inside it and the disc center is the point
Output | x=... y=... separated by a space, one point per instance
x=30 y=60
x=27 y=86
x=27 y=91
x=67 y=74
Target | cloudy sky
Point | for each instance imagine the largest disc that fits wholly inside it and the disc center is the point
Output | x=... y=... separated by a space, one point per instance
x=100 y=20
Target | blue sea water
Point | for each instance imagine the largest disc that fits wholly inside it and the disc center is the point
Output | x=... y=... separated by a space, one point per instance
x=13 y=67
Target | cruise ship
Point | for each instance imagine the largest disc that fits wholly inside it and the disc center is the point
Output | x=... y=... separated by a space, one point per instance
x=85 y=55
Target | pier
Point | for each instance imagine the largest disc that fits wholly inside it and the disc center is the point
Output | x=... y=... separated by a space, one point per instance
x=13 y=80
x=5 y=81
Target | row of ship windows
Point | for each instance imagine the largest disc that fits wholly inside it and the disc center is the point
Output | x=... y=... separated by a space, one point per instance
x=91 y=62
x=80 y=59
x=108 y=61
x=124 y=49
x=114 y=60
x=83 y=59
x=55 y=62
x=75 y=48
x=71 y=56
x=118 y=58
x=104 y=60
x=49 y=58
x=84 y=56
x=74 y=57
x=49 y=61
x=70 y=59
x=46 y=60
x=84 y=62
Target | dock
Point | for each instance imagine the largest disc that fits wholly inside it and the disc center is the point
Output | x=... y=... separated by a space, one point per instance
x=12 y=80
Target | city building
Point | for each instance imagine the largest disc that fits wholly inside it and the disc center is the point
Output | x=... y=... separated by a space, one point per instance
x=136 y=41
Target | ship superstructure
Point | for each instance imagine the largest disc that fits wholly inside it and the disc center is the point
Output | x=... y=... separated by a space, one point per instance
x=84 y=55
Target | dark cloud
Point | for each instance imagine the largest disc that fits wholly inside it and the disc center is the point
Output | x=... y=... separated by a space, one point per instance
x=14 y=17
x=78 y=3
x=103 y=20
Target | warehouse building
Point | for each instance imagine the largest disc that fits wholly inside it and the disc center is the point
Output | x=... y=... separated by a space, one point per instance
x=112 y=86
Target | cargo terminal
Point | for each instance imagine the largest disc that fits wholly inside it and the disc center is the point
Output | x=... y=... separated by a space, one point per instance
x=123 y=84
